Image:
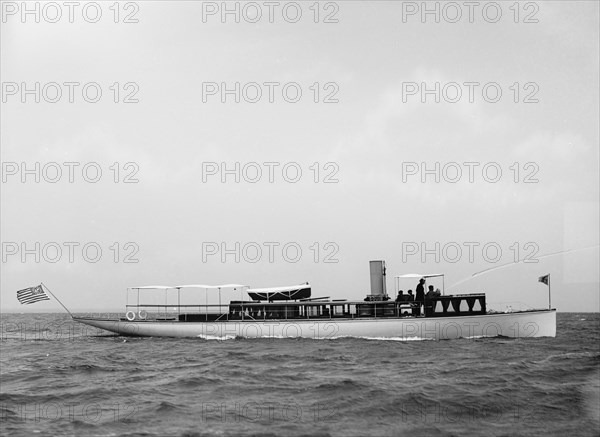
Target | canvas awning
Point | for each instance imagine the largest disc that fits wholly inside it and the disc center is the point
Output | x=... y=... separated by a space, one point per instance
x=211 y=287
x=278 y=289
x=206 y=287
x=152 y=287
x=419 y=275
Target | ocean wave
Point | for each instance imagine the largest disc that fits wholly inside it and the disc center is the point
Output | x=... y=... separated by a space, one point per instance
x=344 y=386
x=167 y=407
x=595 y=356
x=216 y=337
x=195 y=381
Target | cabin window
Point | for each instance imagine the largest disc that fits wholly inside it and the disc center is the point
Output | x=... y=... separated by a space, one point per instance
x=312 y=311
x=337 y=310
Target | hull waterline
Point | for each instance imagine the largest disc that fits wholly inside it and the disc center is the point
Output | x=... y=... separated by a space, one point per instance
x=527 y=324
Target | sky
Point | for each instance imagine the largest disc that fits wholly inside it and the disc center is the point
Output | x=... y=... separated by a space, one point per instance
x=173 y=143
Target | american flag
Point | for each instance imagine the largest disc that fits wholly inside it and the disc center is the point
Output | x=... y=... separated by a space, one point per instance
x=32 y=295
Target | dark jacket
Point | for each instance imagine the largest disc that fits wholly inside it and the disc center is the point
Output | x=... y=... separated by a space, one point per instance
x=420 y=295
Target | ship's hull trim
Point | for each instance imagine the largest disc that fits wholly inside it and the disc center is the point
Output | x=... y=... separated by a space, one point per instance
x=526 y=324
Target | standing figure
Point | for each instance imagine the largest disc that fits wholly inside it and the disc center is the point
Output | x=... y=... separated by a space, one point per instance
x=420 y=295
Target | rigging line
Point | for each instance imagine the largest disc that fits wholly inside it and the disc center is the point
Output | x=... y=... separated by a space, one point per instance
x=519 y=262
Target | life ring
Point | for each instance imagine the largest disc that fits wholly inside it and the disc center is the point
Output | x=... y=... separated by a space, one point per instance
x=143 y=314
x=130 y=316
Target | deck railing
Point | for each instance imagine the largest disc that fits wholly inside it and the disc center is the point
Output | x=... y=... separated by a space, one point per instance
x=255 y=311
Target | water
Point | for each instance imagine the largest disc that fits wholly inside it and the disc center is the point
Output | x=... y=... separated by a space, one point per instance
x=61 y=378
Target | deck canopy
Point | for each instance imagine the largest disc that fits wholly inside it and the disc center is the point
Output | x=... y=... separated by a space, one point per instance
x=419 y=275
x=178 y=287
x=290 y=292
x=153 y=287
x=211 y=287
x=279 y=289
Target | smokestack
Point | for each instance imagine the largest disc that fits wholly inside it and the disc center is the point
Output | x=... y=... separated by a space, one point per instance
x=377 y=278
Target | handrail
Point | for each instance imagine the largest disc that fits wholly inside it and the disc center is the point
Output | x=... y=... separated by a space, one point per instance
x=254 y=311
x=260 y=304
x=296 y=303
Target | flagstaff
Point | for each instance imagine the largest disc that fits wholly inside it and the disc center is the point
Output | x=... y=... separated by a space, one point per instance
x=57 y=299
x=549 y=294
x=35 y=294
x=546 y=280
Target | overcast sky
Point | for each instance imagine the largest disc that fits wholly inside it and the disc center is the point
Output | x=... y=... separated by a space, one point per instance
x=517 y=93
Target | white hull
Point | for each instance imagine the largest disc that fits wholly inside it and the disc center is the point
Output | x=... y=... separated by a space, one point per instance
x=540 y=323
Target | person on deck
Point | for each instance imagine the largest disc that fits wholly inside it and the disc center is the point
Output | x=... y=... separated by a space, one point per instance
x=420 y=297
x=429 y=303
x=401 y=297
x=416 y=309
x=431 y=293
